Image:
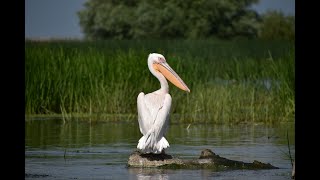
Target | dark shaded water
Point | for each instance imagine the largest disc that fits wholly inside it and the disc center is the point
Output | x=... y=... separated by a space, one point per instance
x=88 y=150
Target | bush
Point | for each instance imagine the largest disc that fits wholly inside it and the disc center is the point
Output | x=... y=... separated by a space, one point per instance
x=275 y=25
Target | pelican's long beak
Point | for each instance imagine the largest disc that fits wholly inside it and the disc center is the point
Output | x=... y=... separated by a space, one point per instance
x=171 y=75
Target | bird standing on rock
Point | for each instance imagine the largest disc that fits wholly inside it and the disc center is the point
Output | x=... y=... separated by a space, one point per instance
x=154 y=108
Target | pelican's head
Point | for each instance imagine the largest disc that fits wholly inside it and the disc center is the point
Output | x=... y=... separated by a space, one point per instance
x=158 y=64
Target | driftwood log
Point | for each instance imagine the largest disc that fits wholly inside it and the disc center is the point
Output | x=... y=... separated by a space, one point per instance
x=207 y=159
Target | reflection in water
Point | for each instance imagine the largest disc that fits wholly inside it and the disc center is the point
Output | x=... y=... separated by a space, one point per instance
x=149 y=173
x=101 y=150
x=82 y=133
x=155 y=174
x=78 y=133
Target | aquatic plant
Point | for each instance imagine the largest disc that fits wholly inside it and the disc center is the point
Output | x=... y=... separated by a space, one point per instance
x=230 y=81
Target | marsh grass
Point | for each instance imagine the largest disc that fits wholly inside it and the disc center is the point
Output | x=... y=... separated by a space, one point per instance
x=230 y=81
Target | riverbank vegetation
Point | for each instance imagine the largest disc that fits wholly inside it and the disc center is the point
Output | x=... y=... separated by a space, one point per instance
x=230 y=81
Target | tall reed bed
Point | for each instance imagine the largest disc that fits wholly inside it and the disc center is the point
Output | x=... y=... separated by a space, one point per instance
x=230 y=81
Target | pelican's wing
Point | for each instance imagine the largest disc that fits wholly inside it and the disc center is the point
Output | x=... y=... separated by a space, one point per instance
x=161 y=122
x=153 y=116
x=144 y=115
x=153 y=113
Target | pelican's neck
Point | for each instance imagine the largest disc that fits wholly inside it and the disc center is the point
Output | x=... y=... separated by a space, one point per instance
x=163 y=82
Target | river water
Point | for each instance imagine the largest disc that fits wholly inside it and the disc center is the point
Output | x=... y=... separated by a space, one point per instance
x=99 y=150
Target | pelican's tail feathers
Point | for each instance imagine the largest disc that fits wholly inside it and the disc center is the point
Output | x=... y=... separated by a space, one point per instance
x=141 y=145
x=149 y=144
x=162 y=144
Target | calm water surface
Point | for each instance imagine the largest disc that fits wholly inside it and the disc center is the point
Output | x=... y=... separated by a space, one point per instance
x=89 y=150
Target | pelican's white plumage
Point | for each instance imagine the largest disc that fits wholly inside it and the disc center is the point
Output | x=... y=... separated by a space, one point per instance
x=154 y=108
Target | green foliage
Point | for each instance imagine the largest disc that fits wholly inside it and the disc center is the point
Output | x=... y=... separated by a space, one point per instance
x=137 y=19
x=230 y=81
x=276 y=25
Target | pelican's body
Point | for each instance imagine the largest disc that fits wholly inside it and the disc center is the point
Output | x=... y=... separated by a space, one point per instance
x=154 y=108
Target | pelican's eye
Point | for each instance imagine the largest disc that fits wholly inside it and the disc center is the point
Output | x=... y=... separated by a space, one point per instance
x=161 y=59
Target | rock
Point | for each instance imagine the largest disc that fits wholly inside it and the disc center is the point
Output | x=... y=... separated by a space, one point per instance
x=208 y=159
x=137 y=159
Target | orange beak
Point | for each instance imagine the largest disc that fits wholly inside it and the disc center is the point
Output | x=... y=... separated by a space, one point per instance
x=171 y=75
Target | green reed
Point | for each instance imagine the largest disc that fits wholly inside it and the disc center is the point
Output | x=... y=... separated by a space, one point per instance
x=230 y=81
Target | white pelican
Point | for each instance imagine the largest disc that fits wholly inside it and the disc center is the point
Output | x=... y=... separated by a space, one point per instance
x=154 y=108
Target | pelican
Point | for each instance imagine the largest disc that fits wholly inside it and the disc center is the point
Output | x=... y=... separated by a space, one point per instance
x=154 y=108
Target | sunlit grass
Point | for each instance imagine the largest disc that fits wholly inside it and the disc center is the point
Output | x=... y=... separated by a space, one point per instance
x=230 y=81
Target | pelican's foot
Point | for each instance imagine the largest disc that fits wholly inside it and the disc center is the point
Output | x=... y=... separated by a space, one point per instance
x=163 y=152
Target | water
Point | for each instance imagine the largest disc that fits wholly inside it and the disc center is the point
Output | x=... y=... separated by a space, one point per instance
x=90 y=150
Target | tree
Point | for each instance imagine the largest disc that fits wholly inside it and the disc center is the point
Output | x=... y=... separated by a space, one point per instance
x=275 y=25
x=134 y=19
